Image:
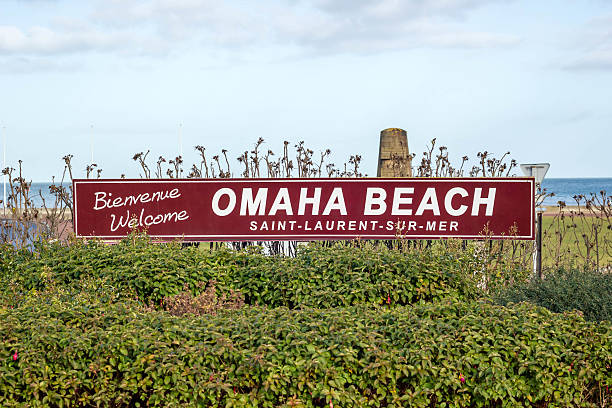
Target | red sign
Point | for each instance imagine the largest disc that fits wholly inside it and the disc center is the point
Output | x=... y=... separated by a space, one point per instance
x=306 y=209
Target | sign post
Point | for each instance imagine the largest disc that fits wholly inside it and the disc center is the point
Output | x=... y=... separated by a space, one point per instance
x=537 y=171
x=306 y=209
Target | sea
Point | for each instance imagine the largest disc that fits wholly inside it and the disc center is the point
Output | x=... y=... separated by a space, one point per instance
x=564 y=189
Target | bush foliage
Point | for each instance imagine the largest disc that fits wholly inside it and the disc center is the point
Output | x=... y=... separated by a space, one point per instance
x=317 y=277
x=136 y=324
x=61 y=352
x=589 y=292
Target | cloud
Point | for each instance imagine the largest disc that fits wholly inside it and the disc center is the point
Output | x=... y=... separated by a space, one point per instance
x=357 y=37
x=594 y=46
x=401 y=9
x=217 y=22
x=369 y=25
x=324 y=26
x=29 y=65
x=593 y=61
x=69 y=37
x=42 y=40
x=312 y=26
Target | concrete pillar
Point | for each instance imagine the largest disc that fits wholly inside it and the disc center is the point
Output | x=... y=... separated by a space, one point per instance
x=394 y=159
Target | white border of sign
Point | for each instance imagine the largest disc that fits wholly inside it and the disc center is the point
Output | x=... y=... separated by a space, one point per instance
x=291 y=237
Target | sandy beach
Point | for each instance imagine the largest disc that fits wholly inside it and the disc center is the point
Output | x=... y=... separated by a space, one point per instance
x=552 y=211
x=42 y=214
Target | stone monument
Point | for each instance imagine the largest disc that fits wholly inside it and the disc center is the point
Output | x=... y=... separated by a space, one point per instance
x=394 y=158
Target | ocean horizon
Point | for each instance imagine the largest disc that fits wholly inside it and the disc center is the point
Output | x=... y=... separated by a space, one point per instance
x=565 y=189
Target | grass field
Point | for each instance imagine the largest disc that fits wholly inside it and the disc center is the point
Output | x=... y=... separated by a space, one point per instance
x=569 y=242
x=576 y=241
x=580 y=242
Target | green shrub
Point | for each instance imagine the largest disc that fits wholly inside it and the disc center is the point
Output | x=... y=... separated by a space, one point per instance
x=341 y=276
x=564 y=290
x=318 y=277
x=61 y=352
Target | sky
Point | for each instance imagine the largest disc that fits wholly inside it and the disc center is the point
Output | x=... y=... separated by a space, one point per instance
x=122 y=76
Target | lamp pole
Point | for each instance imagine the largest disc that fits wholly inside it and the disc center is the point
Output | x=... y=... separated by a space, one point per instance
x=539 y=246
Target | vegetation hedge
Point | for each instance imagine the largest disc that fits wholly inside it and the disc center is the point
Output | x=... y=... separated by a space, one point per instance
x=317 y=277
x=587 y=291
x=337 y=326
x=58 y=351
